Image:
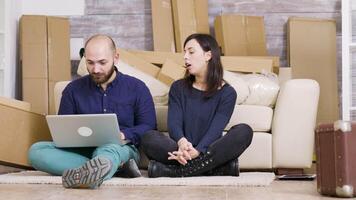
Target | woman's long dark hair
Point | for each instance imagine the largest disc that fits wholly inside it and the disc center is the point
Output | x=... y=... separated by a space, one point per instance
x=214 y=77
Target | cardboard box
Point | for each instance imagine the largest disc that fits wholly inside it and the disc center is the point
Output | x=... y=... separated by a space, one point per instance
x=171 y=72
x=33 y=42
x=241 y=35
x=45 y=56
x=275 y=59
x=52 y=106
x=248 y=63
x=35 y=91
x=162 y=26
x=312 y=55
x=138 y=62
x=186 y=16
x=15 y=103
x=184 y=21
x=58 y=46
x=275 y=62
x=158 y=57
x=59 y=66
x=20 y=128
x=201 y=16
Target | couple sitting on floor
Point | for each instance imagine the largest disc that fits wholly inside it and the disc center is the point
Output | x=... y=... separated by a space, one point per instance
x=200 y=106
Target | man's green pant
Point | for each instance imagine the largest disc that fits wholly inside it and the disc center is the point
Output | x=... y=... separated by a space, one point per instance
x=44 y=156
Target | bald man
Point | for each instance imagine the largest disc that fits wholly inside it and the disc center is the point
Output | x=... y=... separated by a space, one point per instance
x=104 y=90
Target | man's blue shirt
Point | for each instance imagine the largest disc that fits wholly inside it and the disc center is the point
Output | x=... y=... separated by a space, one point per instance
x=126 y=96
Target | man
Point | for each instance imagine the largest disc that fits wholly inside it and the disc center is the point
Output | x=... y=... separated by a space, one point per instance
x=104 y=90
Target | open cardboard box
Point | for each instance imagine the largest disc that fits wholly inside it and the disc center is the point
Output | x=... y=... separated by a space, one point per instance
x=20 y=128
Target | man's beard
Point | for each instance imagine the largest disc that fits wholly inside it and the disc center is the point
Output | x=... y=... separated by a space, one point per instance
x=100 y=78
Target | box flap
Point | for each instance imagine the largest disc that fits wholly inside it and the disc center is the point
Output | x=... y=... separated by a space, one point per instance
x=138 y=62
x=171 y=72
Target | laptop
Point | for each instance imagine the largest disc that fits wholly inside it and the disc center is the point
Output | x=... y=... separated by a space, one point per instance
x=85 y=130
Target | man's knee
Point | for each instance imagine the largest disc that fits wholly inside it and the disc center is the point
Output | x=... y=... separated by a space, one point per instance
x=35 y=151
x=111 y=147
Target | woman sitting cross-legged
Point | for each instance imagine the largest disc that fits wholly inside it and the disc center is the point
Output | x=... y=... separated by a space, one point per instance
x=200 y=106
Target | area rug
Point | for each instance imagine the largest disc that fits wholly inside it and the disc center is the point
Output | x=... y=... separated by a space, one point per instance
x=246 y=179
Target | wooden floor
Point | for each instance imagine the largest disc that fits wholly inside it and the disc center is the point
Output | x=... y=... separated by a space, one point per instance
x=290 y=190
x=278 y=190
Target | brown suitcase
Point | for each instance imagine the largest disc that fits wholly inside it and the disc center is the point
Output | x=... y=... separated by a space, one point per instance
x=336 y=158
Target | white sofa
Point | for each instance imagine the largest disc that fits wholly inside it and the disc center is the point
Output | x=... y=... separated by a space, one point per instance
x=283 y=136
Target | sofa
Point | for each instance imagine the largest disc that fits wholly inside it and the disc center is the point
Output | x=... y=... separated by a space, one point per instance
x=283 y=131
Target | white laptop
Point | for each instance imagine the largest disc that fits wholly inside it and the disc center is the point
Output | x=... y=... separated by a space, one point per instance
x=86 y=130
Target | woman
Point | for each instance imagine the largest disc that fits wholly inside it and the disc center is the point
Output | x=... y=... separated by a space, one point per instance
x=199 y=108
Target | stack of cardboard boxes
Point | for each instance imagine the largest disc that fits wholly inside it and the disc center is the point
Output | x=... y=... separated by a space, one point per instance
x=45 y=59
x=240 y=37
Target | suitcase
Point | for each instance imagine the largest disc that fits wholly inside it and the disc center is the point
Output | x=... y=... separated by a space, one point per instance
x=336 y=158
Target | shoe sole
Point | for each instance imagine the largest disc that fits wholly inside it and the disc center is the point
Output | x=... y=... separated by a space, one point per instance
x=90 y=175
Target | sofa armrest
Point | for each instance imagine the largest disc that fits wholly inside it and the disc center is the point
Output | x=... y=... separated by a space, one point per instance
x=58 y=89
x=161 y=114
x=294 y=123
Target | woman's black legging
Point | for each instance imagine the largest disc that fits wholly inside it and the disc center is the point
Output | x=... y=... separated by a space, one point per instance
x=156 y=145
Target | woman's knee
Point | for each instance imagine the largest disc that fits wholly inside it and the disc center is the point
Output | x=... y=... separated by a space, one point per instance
x=243 y=131
x=149 y=138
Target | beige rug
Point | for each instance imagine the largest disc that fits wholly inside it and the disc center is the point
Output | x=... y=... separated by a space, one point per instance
x=246 y=179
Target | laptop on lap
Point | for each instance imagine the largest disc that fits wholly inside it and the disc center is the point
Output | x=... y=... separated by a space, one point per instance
x=85 y=130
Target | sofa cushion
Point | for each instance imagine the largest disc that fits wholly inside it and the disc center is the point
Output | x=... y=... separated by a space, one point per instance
x=58 y=89
x=161 y=115
x=259 y=154
x=258 y=117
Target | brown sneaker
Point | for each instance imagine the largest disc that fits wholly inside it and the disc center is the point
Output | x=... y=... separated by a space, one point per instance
x=90 y=175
